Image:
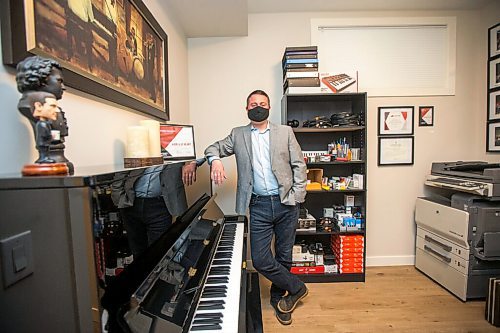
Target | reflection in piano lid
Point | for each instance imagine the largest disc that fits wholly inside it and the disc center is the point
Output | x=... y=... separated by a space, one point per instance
x=160 y=291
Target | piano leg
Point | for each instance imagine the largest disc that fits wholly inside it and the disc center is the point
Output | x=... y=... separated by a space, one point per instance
x=253 y=306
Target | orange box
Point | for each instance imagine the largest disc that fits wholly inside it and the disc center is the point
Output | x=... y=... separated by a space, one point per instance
x=350 y=270
x=350 y=260
x=347 y=255
x=353 y=266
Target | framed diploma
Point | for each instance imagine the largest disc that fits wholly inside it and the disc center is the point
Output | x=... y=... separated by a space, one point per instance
x=425 y=116
x=177 y=142
x=395 y=120
x=395 y=150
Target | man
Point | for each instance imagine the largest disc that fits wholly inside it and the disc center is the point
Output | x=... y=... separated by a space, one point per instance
x=44 y=106
x=79 y=26
x=148 y=199
x=271 y=182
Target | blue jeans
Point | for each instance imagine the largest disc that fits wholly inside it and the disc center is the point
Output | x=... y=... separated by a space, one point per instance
x=145 y=222
x=268 y=217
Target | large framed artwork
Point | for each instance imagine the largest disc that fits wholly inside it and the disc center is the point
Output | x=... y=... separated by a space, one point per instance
x=113 y=49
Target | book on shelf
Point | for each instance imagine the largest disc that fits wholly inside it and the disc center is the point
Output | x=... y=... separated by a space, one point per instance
x=300 y=69
x=290 y=66
x=301 y=61
x=301 y=49
x=295 y=75
x=303 y=90
x=302 y=82
x=300 y=55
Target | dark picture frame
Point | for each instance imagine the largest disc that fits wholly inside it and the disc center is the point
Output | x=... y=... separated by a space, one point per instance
x=426 y=116
x=494 y=105
x=136 y=78
x=395 y=120
x=493 y=137
x=395 y=150
x=494 y=73
x=494 y=41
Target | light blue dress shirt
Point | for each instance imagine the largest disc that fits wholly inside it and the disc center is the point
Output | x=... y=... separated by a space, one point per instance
x=264 y=181
x=148 y=185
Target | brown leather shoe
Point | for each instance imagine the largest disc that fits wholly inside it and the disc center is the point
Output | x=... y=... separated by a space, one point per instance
x=288 y=303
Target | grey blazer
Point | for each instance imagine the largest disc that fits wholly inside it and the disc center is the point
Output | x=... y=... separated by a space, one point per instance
x=172 y=188
x=286 y=161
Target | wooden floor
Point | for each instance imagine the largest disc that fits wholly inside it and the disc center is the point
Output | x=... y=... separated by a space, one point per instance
x=393 y=299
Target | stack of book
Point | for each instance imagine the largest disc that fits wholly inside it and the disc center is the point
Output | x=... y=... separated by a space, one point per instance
x=300 y=70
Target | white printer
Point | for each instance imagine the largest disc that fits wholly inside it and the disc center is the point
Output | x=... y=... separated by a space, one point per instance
x=458 y=229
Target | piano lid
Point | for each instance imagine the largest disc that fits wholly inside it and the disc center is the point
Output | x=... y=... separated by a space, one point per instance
x=195 y=224
x=479 y=170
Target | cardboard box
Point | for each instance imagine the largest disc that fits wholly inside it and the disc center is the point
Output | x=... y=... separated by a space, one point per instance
x=314 y=179
x=348 y=200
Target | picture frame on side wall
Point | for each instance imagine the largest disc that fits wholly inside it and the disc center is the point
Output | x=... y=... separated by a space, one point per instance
x=118 y=52
x=494 y=40
x=425 y=116
x=493 y=137
x=395 y=120
x=395 y=150
x=494 y=105
x=494 y=73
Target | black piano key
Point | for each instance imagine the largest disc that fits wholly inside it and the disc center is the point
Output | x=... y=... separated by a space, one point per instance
x=218 y=262
x=211 y=302
x=223 y=255
x=217 y=280
x=225 y=248
x=211 y=307
x=209 y=315
x=206 y=321
x=215 y=288
x=206 y=327
x=213 y=295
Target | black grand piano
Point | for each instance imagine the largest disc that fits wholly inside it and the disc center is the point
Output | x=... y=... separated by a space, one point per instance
x=192 y=279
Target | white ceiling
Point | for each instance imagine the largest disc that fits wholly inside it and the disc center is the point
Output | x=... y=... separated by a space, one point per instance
x=225 y=18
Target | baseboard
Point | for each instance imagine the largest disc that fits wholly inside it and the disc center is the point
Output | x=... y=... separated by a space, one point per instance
x=390 y=260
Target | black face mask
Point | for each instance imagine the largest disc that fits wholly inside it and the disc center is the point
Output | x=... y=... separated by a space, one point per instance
x=258 y=114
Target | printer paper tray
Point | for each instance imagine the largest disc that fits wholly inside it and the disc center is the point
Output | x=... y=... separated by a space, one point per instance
x=442 y=273
x=450 y=223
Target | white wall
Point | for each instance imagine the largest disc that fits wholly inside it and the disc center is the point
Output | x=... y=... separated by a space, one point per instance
x=222 y=71
x=96 y=127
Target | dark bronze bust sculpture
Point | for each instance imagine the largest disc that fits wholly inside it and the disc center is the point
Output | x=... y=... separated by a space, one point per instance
x=35 y=74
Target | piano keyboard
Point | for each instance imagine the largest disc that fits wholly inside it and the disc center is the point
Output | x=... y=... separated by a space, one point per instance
x=218 y=307
x=338 y=82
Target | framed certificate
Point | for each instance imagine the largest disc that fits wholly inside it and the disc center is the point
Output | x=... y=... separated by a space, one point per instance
x=395 y=120
x=395 y=150
x=177 y=142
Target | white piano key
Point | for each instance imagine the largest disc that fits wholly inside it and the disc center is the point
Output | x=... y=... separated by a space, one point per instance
x=232 y=299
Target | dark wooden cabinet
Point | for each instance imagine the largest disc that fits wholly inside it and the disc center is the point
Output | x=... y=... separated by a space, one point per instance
x=311 y=109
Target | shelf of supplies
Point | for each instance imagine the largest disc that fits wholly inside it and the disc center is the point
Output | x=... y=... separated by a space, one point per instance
x=336 y=232
x=335 y=162
x=337 y=277
x=336 y=191
x=330 y=129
